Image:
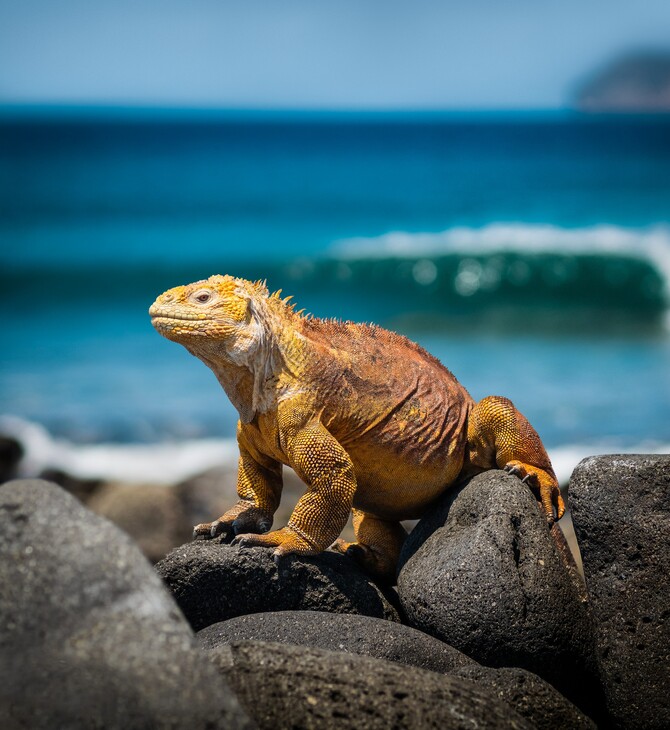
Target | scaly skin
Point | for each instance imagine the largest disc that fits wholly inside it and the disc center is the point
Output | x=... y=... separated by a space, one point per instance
x=368 y=420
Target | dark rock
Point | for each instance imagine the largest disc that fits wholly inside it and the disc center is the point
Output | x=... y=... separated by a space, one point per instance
x=621 y=511
x=483 y=574
x=344 y=632
x=151 y=514
x=212 y=582
x=530 y=696
x=300 y=687
x=11 y=453
x=89 y=636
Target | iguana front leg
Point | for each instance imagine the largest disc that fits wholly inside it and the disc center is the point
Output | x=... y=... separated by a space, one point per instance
x=498 y=435
x=322 y=512
x=259 y=489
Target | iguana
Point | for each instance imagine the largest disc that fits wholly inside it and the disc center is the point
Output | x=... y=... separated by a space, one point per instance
x=371 y=422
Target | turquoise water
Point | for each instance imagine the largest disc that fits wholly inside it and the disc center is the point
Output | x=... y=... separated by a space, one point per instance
x=531 y=254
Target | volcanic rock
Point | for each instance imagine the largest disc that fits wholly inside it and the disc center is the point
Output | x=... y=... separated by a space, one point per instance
x=530 y=696
x=301 y=687
x=483 y=574
x=339 y=632
x=621 y=511
x=213 y=581
x=89 y=636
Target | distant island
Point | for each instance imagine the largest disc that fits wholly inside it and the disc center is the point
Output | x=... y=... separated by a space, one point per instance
x=636 y=83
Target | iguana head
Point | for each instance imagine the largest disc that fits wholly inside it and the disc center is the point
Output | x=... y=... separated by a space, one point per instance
x=219 y=316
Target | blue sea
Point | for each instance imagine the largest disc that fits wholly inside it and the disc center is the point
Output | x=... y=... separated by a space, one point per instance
x=529 y=252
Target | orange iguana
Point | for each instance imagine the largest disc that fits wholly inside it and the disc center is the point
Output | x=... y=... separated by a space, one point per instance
x=370 y=421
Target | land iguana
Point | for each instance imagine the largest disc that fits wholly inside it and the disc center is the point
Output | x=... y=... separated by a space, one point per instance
x=370 y=422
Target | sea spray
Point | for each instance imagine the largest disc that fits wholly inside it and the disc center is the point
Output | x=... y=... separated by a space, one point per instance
x=167 y=462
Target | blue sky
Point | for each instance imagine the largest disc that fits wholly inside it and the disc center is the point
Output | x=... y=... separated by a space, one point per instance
x=358 y=54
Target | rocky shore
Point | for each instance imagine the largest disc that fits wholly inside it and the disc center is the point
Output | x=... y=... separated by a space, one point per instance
x=490 y=624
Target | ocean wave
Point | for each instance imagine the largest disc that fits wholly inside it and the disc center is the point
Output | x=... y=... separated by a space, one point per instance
x=158 y=463
x=174 y=461
x=554 y=277
x=651 y=245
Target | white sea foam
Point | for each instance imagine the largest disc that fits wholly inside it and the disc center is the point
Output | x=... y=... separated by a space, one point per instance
x=651 y=244
x=161 y=463
x=565 y=458
x=171 y=462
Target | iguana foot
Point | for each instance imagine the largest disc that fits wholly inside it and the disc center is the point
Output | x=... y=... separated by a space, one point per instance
x=209 y=529
x=538 y=479
x=284 y=541
x=374 y=562
x=234 y=522
x=377 y=547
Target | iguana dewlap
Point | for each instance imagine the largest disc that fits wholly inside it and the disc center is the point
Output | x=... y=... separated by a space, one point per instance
x=370 y=421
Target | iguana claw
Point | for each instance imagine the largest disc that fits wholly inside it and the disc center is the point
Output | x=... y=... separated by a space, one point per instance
x=234 y=522
x=540 y=480
x=208 y=530
x=284 y=541
x=513 y=469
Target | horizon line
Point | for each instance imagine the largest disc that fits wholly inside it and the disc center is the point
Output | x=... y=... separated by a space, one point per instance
x=135 y=111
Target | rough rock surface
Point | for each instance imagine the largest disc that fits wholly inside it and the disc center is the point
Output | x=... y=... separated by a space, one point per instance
x=621 y=511
x=483 y=574
x=301 y=687
x=213 y=581
x=339 y=632
x=89 y=636
x=530 y=696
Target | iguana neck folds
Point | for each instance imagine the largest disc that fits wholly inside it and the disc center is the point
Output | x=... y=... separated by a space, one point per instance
x=258 y=375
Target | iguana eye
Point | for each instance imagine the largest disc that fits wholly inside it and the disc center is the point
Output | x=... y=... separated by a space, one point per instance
x=203 y=297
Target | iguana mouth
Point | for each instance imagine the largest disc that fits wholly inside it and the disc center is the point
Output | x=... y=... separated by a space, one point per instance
x=182 y=317
x=157 y=313
x=177 y=325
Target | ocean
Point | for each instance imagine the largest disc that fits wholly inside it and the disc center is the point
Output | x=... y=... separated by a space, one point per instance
x=528 y=252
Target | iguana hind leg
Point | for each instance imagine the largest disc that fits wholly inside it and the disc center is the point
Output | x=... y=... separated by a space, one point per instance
x=377 y=546
x=500 y=436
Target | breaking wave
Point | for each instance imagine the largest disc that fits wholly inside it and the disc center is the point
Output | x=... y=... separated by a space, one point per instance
x=498 y=267
x=601 y=265
x=653 y=242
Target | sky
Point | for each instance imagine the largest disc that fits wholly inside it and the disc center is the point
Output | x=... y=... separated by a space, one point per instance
x=318 y=54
